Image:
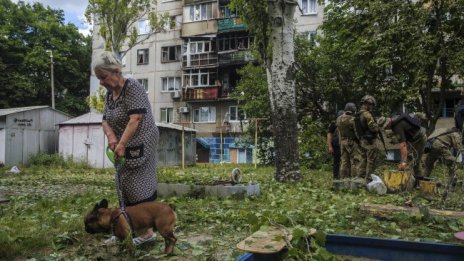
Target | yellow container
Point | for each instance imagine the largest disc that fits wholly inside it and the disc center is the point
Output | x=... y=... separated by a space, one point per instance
x=397 y=181
x=428 y=187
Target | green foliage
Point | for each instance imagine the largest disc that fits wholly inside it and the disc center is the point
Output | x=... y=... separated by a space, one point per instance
x=97 y=101
x=27 y=32
x=116 y=20
x=53 y=160
x=44 y=218
x=313 y=148
x=396 y=50
x=252 y=95
x=254 y=13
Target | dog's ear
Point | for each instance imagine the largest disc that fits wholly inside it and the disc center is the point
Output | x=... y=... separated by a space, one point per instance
x=95 y=208
x=103 y=203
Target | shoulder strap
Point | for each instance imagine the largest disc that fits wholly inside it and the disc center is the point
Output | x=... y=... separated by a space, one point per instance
x=444 y=133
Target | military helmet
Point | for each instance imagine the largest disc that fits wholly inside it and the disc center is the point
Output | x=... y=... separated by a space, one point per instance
x=368 y=99
x=350 y=107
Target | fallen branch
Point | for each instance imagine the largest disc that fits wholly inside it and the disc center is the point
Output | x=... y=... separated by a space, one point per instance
x=387 y=210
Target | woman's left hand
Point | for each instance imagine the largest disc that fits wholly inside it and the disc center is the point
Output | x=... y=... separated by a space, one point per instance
x=120 y=151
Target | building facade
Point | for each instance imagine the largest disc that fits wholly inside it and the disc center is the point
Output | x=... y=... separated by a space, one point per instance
x=190 y=70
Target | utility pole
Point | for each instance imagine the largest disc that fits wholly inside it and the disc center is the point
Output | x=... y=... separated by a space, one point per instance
x=52 y=78
x=255 y=150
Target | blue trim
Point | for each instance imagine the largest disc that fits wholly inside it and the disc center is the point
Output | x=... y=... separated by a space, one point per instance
x=392 y=250
x=203 y=142
x=383 y=249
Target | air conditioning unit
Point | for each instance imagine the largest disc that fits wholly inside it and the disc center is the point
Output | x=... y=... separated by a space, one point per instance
x=175 y=94
x=183 y=109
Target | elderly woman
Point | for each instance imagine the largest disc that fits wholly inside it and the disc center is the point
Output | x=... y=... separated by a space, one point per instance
x=131 y=132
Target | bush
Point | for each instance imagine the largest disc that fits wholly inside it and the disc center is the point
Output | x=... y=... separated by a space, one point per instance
x=313 y=148
x=56 y=160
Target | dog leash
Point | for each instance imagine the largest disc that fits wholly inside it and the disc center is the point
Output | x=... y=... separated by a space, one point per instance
x=118 y=163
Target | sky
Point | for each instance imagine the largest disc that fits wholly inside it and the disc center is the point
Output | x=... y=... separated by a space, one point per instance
x=73 y=11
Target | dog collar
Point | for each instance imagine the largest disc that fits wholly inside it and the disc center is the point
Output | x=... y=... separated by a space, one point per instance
x=116 y=217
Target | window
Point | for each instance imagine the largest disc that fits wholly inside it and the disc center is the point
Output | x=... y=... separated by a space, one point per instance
x=309 y=6
x=235 y=114
x=170 y=84
x=200 y=47
x=199 y=78
x=233 y=41
x=175 y=22
x=204 y=114
x=167 y=115
x=201 y=12
x=144 y=83
x=142 y=56
x=225 y=12
x=144 y=26
x=312 y=36
x=170 y=53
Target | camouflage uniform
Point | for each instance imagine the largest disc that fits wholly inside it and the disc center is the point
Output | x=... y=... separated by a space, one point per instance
x=415 y=138
x=349 y=146
x=371 y=146
x=441 y=148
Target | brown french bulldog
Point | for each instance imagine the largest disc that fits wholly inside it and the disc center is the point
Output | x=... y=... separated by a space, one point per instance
x=157 y=215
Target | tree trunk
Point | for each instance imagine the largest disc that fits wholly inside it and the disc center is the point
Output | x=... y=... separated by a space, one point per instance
x=281 y=80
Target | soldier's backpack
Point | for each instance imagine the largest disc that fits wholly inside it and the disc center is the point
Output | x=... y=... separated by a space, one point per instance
x=345 y=126
x=411 y=118
x=360 y=131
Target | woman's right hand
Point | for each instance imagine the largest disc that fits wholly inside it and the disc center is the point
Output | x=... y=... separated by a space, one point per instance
x=112 y=144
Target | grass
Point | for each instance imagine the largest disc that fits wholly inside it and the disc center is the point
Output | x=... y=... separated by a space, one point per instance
x=44 y=218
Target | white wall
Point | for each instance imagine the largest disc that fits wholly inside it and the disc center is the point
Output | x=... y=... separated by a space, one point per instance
x=2 y=145
x=84 y=143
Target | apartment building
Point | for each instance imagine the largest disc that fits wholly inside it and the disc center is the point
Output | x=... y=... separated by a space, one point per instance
x=190 y=70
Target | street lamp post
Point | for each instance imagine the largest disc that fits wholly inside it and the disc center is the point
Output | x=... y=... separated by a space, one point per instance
x=52 y=80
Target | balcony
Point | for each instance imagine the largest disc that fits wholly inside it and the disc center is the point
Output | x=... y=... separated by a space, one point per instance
x=200 y=94
x=230 y=24
x=199 y=60
x=235 y=57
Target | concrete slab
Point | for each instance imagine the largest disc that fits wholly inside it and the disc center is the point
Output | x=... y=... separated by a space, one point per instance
x=222 y=191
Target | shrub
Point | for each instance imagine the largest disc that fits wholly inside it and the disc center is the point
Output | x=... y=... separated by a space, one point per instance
x=313 y=148
x=57 y=160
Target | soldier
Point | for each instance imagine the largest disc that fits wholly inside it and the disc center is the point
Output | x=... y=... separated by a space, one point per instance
x=412 y=138
x=441 y=148
x=367 y=132
x=349 y=144
x=333 y=146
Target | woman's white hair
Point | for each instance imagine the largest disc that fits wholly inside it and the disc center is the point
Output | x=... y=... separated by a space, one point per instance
x=107 y=61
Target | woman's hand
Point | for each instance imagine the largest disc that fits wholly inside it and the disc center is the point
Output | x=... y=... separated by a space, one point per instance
x=119 y=151
x=112 y=144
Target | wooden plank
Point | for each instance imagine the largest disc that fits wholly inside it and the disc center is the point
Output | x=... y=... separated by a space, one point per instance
x=387 y=210
x=267 y=241
x=264 y=241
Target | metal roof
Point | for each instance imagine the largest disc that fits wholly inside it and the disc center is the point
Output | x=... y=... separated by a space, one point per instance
x=96 y=118
x=9 y=111
x=91 y=117
x=174 y=126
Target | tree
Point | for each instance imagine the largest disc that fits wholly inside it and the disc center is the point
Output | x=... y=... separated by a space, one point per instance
x=117 y=19
x=397 y=50
x=252 y=96
x=26 y=33
x=271 y=22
